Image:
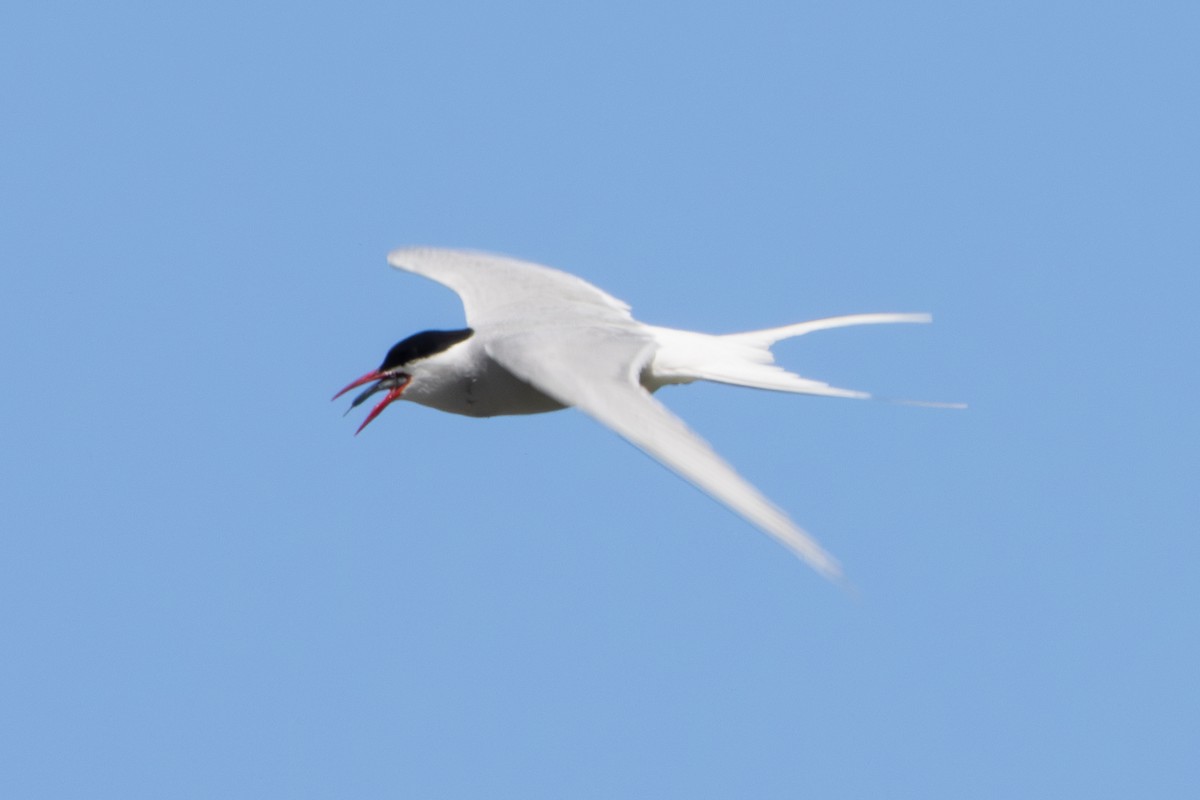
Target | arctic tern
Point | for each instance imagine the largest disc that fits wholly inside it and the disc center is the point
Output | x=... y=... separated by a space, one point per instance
x=539 y=339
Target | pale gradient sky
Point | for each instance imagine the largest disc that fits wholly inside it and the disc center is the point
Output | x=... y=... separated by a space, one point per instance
x=211 y=588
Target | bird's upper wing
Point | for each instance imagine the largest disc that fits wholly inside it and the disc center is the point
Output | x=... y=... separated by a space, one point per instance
x=499 y=291
x=596 y=368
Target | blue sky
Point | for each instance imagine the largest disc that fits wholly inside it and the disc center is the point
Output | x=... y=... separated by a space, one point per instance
x=210 y=587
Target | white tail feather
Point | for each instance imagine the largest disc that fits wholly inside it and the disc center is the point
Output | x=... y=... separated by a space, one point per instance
x=745 y=359
x=769 y=336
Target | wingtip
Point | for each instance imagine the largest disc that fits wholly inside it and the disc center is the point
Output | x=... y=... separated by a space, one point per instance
x=820 y=561
x=396 y=257
x=832 y=574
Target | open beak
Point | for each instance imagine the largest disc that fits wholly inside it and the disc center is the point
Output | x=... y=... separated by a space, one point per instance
x=393 y=384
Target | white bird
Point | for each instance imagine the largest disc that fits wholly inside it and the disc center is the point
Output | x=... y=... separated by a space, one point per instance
x=542 y=340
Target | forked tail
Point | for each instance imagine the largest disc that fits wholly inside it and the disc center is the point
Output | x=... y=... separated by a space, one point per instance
x=745 y=359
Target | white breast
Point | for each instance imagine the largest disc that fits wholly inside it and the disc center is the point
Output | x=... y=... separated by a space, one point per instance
x=465 y=380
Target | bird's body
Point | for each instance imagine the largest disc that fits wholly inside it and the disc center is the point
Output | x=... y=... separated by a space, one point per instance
x=541 y=340
x=465 y=380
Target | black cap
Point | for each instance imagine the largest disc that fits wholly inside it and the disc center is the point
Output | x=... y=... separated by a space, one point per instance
x=422 y=345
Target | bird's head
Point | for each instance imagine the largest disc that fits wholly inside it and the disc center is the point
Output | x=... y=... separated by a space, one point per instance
x=398 y=368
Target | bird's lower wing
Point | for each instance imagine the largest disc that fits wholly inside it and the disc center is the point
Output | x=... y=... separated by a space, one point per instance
x=597 y=369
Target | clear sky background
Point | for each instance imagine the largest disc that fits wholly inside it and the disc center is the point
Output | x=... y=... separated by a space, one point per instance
x=210 y=588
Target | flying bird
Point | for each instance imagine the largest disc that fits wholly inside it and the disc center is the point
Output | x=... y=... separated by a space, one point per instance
x=539 y=339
